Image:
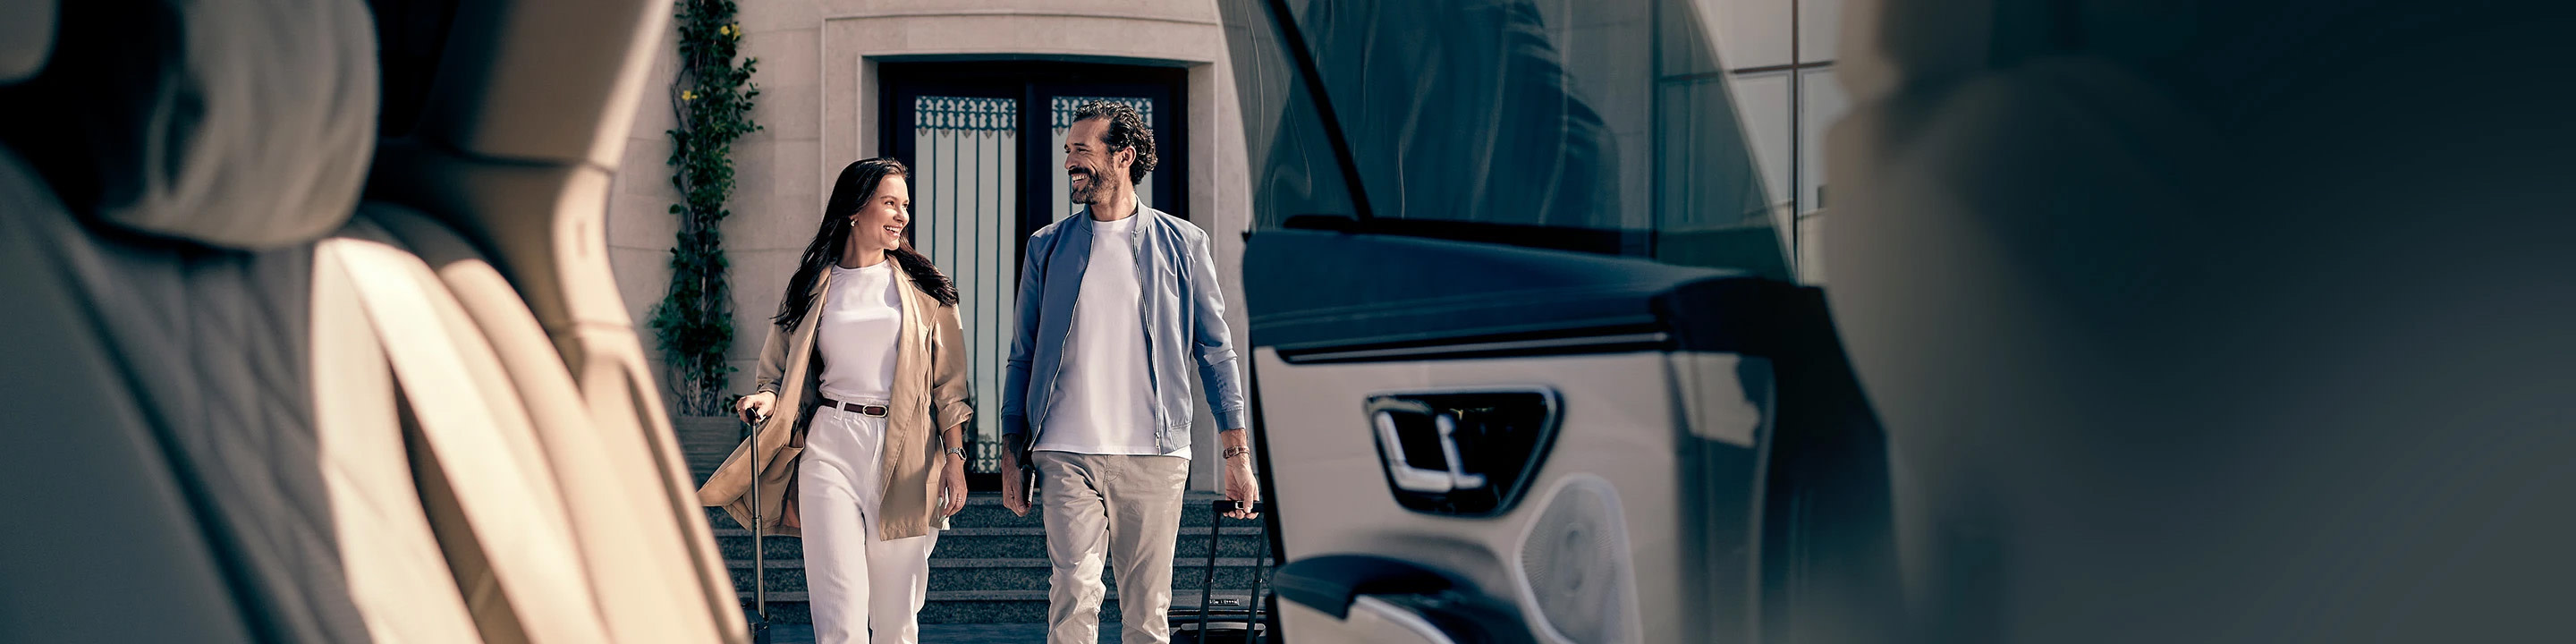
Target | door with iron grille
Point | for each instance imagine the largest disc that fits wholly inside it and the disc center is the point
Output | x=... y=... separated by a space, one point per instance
x=986 y=143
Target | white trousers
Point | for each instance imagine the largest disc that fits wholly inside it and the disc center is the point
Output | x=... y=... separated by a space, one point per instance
x=856 y=583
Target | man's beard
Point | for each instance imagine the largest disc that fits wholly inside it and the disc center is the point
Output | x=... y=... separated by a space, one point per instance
x=1089 y=189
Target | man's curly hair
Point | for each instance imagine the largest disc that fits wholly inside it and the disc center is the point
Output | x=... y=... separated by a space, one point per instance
x=1126 y=130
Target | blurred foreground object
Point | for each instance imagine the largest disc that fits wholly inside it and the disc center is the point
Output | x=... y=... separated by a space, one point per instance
x=254 y=402
x=2217 y=321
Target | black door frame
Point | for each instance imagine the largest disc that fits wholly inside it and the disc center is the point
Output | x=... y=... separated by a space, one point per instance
x=1035 y=84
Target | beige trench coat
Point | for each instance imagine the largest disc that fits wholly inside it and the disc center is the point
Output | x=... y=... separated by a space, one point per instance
x=930 y=383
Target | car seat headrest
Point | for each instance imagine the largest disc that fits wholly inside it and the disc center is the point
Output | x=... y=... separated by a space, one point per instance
x=231 y=123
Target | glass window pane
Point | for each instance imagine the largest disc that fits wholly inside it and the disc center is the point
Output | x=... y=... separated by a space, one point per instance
x=965 y=186
x=1594 y=125
x=1823 y=104
x=1465 y=112
x=1294 y=173
x=1714 y=209
x=1750 y=33
x=1819 y=30
x=1763 y=99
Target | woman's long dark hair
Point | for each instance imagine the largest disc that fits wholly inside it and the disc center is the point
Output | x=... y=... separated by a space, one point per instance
x=858 y=182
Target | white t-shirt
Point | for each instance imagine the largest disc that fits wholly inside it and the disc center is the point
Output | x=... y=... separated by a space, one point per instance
x=1101 y=399
x=862 y=319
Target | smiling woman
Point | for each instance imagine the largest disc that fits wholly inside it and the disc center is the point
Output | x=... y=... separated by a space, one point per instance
x=877 y=226
x=867 y=460
x=879 y=191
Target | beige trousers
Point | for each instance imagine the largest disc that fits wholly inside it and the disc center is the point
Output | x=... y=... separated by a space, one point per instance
x=1124 y=508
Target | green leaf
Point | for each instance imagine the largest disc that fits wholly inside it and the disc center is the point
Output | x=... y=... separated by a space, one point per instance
x=694 y=321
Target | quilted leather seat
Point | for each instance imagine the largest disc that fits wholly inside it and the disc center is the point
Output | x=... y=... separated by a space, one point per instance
x=276 y=377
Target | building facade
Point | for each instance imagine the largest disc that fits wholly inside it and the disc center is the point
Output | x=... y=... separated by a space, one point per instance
x=976 y=95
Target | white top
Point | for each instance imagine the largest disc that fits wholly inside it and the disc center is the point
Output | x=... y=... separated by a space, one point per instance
x=1101 y=400
x=862 y=319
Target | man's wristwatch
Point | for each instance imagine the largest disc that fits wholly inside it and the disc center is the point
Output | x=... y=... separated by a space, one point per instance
x=1232 y=452
x=959 y=452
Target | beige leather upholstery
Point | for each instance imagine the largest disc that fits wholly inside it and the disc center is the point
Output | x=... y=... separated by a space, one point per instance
x=537 y=508
x=231 y=123
x=527 y=579
x=107 y=514
x=513 y=157
x=594 y=53
x=433 y=425
x=211 y=351
x=399 y=576
x=608 y=481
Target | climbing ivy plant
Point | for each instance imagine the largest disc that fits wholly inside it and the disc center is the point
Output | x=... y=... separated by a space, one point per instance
x=712 y=100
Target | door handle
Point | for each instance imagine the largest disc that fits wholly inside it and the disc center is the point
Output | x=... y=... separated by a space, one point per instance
x=1462 y=452
x=1416 y=479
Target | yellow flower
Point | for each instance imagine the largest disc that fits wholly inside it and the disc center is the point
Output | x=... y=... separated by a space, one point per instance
x=687 y=95
x=731 y=31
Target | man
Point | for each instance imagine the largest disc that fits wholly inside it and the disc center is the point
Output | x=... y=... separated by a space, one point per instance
x=1118 y=305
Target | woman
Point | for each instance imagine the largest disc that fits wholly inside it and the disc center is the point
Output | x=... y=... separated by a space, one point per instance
x=865 y=350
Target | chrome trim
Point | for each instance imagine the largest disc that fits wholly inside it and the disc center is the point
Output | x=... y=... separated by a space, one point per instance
x=1415 y=479
x=1444 y=350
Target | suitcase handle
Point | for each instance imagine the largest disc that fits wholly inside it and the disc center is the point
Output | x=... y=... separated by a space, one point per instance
x=759 y=566
x=1207 y=588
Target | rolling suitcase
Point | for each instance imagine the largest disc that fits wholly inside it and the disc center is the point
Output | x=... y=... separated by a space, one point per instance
x=759 y=617
x=1238 y=621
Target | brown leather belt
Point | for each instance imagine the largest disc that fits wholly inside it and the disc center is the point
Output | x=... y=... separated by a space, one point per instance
x=878 y=411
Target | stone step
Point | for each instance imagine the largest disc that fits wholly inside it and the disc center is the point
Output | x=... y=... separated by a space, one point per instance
x=997 y=543
x=935 y=563
x=991 y=567
x=975 y=515
x=984 y=510
x=993 y=607
x=1222 y=599
x=705 y=441
x=1188 y=575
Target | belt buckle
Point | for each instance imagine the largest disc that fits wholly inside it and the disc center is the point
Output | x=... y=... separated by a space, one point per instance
x=876 y=411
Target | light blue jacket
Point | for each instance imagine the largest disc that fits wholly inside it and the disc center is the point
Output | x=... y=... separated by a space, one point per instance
x=1183 y=310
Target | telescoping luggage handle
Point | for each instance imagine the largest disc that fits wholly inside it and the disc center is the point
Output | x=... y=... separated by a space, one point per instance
x=759 y=567
x=1252 y=617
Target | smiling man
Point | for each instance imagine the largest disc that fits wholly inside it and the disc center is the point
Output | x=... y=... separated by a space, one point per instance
x=1118 y=305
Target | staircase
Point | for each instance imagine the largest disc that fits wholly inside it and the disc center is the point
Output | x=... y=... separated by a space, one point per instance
x=990 y=567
